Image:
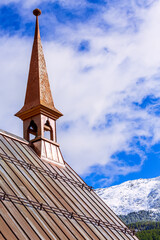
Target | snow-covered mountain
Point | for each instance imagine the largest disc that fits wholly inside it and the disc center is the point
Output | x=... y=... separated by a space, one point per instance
x=133 y=196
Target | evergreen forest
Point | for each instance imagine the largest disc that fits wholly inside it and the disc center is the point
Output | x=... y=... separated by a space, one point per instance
x=146 y=230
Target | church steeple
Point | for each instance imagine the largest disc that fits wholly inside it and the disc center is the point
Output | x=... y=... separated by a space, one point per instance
x=39 y=114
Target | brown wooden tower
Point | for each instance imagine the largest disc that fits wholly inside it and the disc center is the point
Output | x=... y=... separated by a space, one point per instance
x=39 y=114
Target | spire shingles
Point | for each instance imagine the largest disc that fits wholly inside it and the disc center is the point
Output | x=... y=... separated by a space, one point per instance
x=38 y=93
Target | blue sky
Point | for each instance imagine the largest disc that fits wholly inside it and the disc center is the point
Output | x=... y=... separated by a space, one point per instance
x=103 y=61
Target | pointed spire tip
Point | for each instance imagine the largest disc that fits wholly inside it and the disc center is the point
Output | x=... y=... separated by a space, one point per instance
x=37 y=12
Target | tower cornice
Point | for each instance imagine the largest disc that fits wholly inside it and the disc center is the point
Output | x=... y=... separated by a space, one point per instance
x=40 y=109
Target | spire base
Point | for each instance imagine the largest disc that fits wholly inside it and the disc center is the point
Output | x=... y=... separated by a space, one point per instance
x=40 y=109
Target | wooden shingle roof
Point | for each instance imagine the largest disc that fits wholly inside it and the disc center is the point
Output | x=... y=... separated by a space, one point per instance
x=42 y=201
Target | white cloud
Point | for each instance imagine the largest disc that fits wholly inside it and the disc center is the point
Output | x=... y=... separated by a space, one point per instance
x=31 y=3
x=88 y=86
x=6 y=2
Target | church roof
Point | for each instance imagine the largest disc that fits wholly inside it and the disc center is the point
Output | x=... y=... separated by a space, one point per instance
x=42 y=201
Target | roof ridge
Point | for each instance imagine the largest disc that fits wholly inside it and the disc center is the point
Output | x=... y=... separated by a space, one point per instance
x=11 y=135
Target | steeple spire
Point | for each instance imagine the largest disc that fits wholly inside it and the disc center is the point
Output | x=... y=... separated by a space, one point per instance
x=39 y=114
x=38 y=88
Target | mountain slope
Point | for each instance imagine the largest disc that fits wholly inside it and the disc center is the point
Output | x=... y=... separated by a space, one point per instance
x=133 y=196
x=141 y=216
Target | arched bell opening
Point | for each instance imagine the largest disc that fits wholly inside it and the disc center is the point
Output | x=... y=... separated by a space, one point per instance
x=32 y=131
x=48 y=131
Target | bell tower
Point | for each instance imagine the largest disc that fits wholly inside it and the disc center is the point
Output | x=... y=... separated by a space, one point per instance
x=39 y=114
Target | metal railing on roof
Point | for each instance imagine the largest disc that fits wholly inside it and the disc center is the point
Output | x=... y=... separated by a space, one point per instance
x=62 y=212
x=44 y=171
